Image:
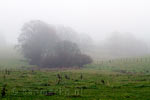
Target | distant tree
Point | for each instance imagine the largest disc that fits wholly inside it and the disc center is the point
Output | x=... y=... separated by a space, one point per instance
x=2 y=40
x=37 y=40
x=84 y=41
x=67 y=54
x=42 y=46
x=126 y=45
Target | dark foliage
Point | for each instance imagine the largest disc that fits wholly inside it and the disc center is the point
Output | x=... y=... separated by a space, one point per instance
x=37 y=41
x=67 y=54
x=3 y=91
x=41 y=46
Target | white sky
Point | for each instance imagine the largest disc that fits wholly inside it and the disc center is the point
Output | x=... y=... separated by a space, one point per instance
x=98 y=18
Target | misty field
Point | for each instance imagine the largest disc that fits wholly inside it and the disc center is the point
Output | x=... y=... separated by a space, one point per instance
x=122 y=79
x=75 y=50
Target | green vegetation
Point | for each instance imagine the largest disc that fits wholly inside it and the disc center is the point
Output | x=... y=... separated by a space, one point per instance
x=122 y=79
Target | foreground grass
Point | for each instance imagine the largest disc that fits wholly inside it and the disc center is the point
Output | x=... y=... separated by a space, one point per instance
x=113 y=80
x=29 y=85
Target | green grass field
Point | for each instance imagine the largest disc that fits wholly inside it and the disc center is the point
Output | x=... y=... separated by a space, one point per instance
x=127 y=79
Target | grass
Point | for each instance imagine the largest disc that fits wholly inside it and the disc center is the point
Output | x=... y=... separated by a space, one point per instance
x=107 y=80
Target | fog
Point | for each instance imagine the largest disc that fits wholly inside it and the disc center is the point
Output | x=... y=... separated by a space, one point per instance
x=92 y=20
x=2 y=40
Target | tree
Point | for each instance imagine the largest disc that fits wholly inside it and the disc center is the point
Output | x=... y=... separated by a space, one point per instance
x=84 y=41
x=2 y=40
x=42 y=46
x=67 y=54
x=37 y=40
x=126 y=45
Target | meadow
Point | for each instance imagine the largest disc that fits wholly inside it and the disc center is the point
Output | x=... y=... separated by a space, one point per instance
x=117 y=79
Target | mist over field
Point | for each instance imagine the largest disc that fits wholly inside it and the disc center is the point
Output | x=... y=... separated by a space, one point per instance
x=107 y=28
x=116 y=45
x=74 y=49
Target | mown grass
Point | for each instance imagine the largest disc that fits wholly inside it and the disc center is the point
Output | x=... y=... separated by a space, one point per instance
x=110 y=80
